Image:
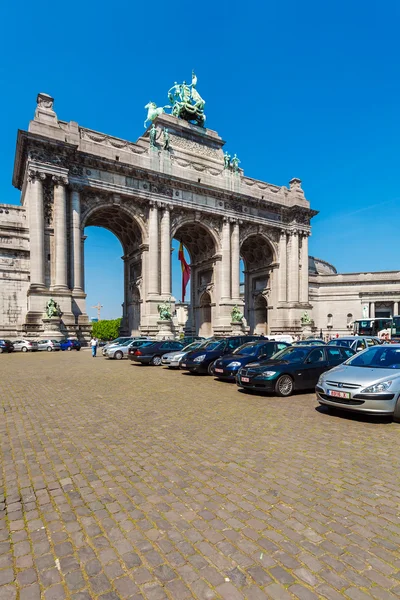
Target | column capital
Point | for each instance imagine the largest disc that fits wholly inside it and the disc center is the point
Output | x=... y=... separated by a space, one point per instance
x=60 y=180
x=35 y=175
x=283 y=232
x=76 y=187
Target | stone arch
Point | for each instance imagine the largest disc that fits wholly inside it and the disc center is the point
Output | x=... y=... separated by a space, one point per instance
x=129 y=229
x=259 y=255
x=202 y=244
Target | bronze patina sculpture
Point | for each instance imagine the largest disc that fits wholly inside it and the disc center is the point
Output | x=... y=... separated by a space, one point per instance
x=153 y=136
x=166 y=139
x=235 y=164
x=227 y=160
x=52 y=309
x=236 y=315
x=164 y=310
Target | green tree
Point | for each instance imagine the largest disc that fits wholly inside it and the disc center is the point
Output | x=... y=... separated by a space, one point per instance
x=107 y=329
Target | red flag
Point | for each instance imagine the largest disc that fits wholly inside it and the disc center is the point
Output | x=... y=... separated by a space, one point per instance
x=185 y=271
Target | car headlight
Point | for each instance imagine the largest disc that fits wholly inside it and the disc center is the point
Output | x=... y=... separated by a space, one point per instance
x=199 y=358
x=234 y=363
x=377 y=387
x=321 y=379
x=266 y=375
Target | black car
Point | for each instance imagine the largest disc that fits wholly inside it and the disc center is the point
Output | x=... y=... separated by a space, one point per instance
x=6 y=346
x=202 y=360
x=227 y=366
x=151 y=354
x=295 y=368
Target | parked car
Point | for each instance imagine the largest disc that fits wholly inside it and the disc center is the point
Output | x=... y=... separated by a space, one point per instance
x=369 y=382
x=117 y=342
x=358 y=343
x=70 y=345
x=313 y=342
x=202 y=360
x=295 y=368
x=151 y=354
x=228 y=365
x=49 y=345
x=121 y=351
x=172 y=359
x=25 y=345
x=6 y=346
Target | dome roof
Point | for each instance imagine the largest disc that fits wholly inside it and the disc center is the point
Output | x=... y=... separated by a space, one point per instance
x=316 y=266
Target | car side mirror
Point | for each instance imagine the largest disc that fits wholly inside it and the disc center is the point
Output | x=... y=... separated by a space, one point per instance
x=262 y=356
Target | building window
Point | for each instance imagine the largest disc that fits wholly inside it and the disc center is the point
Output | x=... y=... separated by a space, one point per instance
x=330 y=321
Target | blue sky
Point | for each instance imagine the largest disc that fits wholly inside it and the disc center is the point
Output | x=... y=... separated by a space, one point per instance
x=297 y=89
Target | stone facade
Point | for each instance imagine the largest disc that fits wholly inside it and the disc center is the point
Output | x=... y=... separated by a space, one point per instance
x=71 y=177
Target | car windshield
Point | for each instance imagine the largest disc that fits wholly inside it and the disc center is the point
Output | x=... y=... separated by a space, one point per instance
x=341 y=342
x=55 y=341
x=249 y=349
x=292 y=354
x=214 y=345
x=377 y=357
x=191 y=346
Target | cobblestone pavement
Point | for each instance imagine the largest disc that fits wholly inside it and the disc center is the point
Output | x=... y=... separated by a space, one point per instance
x=120 y=481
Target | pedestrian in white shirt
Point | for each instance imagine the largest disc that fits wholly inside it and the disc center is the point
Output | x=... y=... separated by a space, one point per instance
x=93 y=343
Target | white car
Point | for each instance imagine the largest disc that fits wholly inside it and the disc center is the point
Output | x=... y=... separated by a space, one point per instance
x=25 y=345
x=172 y=359
x=49 y=345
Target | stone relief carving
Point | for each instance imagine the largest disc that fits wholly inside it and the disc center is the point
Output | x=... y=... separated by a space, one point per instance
x=46 y=156
x=48 y=201
x=194 y=147
x=107 y=140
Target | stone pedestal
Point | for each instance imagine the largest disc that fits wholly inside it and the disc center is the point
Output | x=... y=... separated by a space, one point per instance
x=165 y=330
x=52 y=329
x=238 y=328
x=306 y=330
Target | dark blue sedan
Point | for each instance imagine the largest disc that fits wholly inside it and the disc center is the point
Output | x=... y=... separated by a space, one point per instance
x=70 y=345
x=227 y=367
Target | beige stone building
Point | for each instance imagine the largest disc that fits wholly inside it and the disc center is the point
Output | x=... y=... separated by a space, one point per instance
x=147 y=193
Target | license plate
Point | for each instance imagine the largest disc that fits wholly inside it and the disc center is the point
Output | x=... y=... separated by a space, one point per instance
x=219 y=370
x=245 y=379
x=336 y=394
x=183 y=364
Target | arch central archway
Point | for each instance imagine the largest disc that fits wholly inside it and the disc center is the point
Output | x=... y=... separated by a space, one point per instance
x=201 y=245
x=258 y=255
x=128 y=231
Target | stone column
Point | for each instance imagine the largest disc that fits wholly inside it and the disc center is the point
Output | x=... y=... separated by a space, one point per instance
x=60 y=232
x=165 y=252
x=371 y=310
x=293 y=268
x=76 y=242
x=304 y=269
x=235 y=258
x=153 y=266
x=395 y=309
x=36 y=228
x=283 y=266
x=226 y=260
x=83 y=238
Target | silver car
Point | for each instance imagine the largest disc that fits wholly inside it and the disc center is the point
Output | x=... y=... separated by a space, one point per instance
x=172 y=359
x=25 y=345
x=369 y=382
x=116 y=342
x=121 y=351
x=356 y=342
x=49 y=345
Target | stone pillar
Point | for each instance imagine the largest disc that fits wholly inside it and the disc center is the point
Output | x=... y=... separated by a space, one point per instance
x=60 y=232
x=165 y=252
x=36 y=228
x=371 y=310
x=76 y=242
x=283 y=266
x=235 y=258
x=83 y=238
x=226 y=260
x=395 y=309
x=153 y=252
x=293 y=268
x=304 y=269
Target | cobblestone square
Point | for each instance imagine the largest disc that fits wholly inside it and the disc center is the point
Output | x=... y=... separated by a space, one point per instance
x=119 y=481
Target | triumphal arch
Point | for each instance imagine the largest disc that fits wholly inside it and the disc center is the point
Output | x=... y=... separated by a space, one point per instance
x=175 y=181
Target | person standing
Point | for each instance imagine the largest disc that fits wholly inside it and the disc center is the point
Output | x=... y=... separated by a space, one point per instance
x=93 y=343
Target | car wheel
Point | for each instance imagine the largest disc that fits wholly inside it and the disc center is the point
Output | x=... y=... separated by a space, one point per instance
x=118 y=355
x=49 y=349
x=79 y=349
x=24 y=349
x=284 y=386
x=211 y=368
x=396 y=414
x=69 y=348
x=1 y=350
x=156 y=361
